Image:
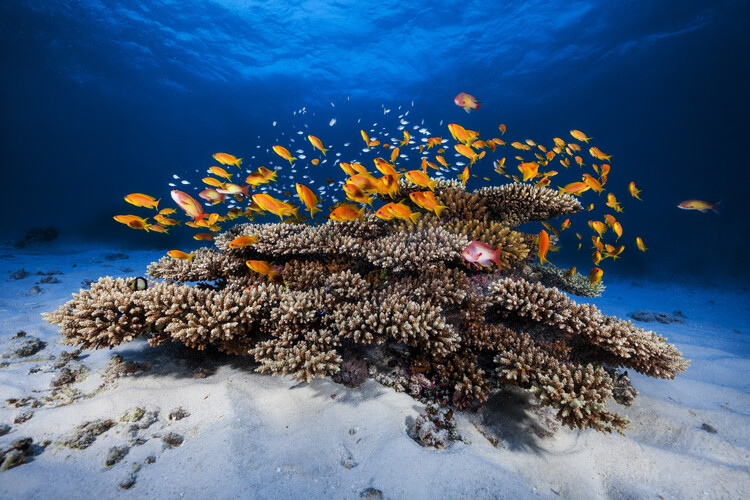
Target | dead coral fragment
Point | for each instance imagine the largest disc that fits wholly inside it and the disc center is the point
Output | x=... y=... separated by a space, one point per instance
x=85 y=434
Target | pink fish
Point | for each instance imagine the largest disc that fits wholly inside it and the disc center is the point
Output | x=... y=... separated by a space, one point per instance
x=481 y=255
x=467 y=101
x=189 y=204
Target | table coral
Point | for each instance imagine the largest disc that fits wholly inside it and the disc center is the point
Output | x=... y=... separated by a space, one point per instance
x=353 y=289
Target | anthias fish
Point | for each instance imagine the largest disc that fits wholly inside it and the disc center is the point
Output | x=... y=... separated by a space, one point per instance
x=702 y=206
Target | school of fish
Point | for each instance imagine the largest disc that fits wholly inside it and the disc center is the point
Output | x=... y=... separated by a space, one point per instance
x=393 y=154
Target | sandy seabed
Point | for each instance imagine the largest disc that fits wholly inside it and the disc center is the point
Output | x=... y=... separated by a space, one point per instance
x=255 y=436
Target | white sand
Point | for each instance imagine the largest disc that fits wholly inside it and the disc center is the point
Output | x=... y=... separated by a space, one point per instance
x=253 y=435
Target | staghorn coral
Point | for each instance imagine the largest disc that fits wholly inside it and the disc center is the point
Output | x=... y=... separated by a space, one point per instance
x=617 y=342
x=350 y=293
x=575 y=283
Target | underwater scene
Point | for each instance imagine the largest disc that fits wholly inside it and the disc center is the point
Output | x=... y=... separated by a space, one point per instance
x=325 y=249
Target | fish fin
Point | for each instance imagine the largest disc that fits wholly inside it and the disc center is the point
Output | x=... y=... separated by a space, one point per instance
x=477 y=105
x=495 y=257
x=414 y=216
x=467 y=109
x=439 y=210
x=715 y=207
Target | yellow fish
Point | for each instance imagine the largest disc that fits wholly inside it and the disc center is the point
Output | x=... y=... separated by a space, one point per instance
x=220 y=172
x=284 y=153
x=227 y=159
x=580 y=135
x=243 y=241
x=639 y=243
x=262 y=267
x=595 y=276
x=634 y=192
x=317 y=143
x=597 y=153
x=179 y=254
x=142 y=200
x=347 y=212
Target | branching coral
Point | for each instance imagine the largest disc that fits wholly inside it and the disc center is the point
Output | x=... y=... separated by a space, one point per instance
x=354 y=290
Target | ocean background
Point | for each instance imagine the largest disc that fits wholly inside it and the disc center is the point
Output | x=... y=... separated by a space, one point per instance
x=104 y=98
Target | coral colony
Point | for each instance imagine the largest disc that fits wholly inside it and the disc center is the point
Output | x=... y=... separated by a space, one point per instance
x=436 y=287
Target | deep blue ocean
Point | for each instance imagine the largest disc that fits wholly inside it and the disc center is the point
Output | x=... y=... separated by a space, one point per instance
x=100 y=99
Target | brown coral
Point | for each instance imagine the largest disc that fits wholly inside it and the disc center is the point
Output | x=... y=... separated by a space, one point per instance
x=518 y=203
x=386 y=286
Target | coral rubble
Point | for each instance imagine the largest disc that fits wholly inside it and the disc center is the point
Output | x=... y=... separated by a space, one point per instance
x=348 y=293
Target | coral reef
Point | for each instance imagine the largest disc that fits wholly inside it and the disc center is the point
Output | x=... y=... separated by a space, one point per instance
x=388 y=296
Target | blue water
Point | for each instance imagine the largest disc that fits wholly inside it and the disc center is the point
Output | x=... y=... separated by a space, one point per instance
x=102 y=99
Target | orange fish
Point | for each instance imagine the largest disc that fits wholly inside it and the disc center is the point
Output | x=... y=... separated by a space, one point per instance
x=213 y=182
x=401 y=211
x=543 y=244
x=243 y=241
x=203 y=237
x=309 y=198
x=394 y=154
x=703 y=206
x=354 y=193
x=464 y=176
x=580 y=135
x=142 y=200
x=284 y=153
x=263 y=267
x=317 y=143
x=421 y=179
x=596 y=153
x=315 y=161
x=529 y=170
x=227 y=159
x=406 y=140
x=598 y=226
x=575 y=188
x=565 y=225
x=617 y=228
x=365 y=137
x=502 y=128
x=347 y=212
x=467 y=101
x=634 y=192
x=639 y=243
x=426 y=200
x=179 y=254
x=441 y=160
x=220 y=172
x=595 y=276
x=612 y=202
x=434 y=141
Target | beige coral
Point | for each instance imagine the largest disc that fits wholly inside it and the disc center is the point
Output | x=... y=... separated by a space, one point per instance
x=518 y=203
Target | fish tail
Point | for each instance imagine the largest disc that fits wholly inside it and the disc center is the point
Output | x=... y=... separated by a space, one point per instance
x=291 y=159
x=715 y=207
x=477 y=105
x=467 y=109
x=439 y=210
x=239 y=161
x=324 y=150
x=495 y=257
x=414 y=216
